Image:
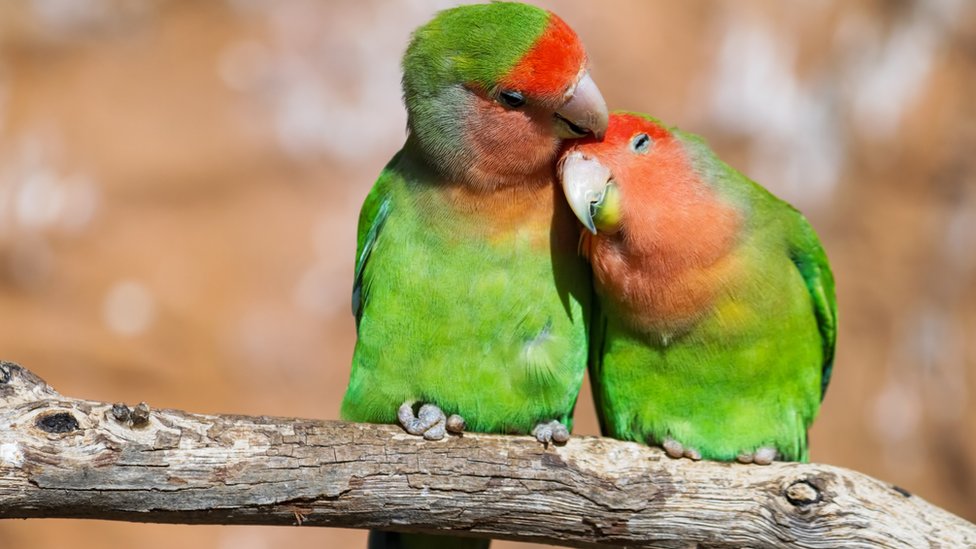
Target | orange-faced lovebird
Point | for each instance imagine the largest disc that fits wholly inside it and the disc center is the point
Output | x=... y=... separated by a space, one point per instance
x=715 y=320
x=470 y=299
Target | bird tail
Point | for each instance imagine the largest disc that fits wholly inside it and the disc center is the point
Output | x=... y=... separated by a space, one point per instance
x=396 y=540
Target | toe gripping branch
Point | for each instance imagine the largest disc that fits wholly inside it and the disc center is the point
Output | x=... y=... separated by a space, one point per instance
x=551 y=431
x=430 y=421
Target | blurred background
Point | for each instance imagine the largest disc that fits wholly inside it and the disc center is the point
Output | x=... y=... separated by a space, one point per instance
x=180 y=182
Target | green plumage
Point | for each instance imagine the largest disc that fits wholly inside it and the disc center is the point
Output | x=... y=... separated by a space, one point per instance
x=751 y=370
x=461 y=310
x=479 y=312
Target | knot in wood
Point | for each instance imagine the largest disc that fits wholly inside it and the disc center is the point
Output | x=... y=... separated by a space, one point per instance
x=140 y=414
x=136 y=417
x=58 y=423
x=121 y=412
x=802 y=493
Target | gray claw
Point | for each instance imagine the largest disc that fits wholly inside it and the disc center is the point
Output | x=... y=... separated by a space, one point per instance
x=676 y=450
x=762 y=456
x=552 y=431
x=673 y=448
x=455 y=424
x=430 y=421
x=560 y=434
x=436 y=432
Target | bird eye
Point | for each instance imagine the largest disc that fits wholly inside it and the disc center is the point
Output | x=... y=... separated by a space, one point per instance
x=512 y=99
x=641 y=143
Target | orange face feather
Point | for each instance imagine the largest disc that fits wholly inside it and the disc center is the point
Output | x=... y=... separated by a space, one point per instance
x=661 y=269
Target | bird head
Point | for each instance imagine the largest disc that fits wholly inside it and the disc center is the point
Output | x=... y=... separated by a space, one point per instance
x=492 y=89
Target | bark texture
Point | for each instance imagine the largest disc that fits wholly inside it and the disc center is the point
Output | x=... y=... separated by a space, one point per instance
x=65 y=457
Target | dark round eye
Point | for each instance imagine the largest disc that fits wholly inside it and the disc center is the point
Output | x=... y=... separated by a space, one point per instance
x=512 y=98
x=641 y=143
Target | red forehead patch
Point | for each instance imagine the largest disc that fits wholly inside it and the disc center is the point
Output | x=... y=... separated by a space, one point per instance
x=551 y=65
x=623 y=126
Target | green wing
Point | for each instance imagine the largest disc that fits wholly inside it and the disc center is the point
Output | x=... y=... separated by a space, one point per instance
x=809 y=257
x=598 y=339
x=376 y=208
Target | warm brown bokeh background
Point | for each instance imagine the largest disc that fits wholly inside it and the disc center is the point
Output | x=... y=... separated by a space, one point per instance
x=179 y=184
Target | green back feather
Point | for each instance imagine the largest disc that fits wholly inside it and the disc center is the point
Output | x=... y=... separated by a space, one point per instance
x=811 y=260
x=375 y=210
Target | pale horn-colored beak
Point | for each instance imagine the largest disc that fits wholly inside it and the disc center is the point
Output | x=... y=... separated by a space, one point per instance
x=584 y=181
x=585 y=112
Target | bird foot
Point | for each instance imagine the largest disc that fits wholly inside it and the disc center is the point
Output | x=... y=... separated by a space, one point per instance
x=430 y=421
x=551 y=431
x=676 y=450
x=761 y=456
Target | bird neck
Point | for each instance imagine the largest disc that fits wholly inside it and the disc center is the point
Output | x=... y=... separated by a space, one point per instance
x=498 y=212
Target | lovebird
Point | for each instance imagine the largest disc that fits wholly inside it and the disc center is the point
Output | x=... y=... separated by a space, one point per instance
x=471 y=302
x=715 y=319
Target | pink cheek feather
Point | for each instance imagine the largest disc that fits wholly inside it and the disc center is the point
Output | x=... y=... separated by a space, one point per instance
x=510 y=144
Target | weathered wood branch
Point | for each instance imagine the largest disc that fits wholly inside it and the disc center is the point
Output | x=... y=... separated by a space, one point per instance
x=65 y=457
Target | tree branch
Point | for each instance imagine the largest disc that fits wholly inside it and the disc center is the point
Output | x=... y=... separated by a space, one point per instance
x=71 y=458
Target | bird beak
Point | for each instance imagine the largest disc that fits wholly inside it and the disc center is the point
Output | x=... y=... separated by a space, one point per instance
x=584 y=112
x=585 y=182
